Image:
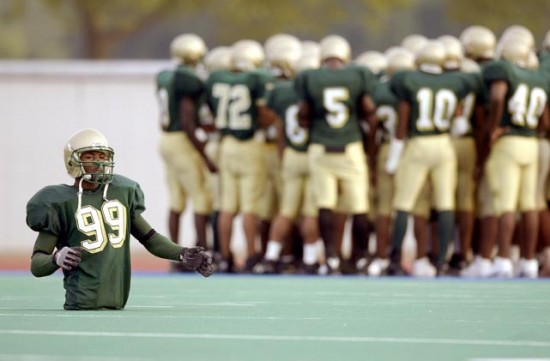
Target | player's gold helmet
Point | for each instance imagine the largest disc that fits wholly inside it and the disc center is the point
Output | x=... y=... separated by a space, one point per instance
x=414 y=42
x=335 y=46
x=247 y=55
x=282 y=61
x=374 y=60
x=546 y=42
x=188 y=49
x=479 y=42
x=87 y=140
x=431 y=56
x=281 y=41
x=469 y=66
x=400 y=59
x=516 y=51
x=520 y=32
x=453 y=51
x=218 y=58
x=307 y=62
x=310 y=47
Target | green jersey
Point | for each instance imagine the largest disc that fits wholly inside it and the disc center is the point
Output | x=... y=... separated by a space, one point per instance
x=525 y=99
x=284 y=101
x=544 y=62
x=101 y=227
x=334 y=96
x=172 y=86
x=386 y=109
x=233 y=98
x=433 y=99
x=477 y=94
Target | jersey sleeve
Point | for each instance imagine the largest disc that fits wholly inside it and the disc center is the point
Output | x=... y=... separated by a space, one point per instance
x=264 y=85
x=137 y=206
x=397 y=86
x=300 y=86
x=369 y=80
x=187 y=84
x=497 y=70
x=42 y=215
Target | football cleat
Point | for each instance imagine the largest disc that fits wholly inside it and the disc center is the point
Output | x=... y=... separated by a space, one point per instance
x=479 y=268
x=422 y=267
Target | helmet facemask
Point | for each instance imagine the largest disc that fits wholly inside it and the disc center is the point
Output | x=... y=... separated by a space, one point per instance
x=104 y=172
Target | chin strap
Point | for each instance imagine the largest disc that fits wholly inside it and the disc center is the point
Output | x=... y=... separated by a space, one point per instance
x=81 y=191
x=105 y=192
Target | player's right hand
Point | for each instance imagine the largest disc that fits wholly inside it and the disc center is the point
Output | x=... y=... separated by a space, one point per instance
x=67 y=257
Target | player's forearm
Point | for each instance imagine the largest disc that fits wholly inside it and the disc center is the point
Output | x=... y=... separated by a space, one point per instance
x=162 y=247
x=42 y=264
x=154 y=242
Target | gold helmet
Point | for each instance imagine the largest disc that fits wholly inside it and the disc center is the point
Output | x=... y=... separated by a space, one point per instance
x=469 y=66
x=218 y=58
x=311 y=48
x=431 y=56
x=188 y=49
x=374 y=60
x=414 y=42
x=453 y=51
x=515 y=50
x=281 y=41
x=247 y=55
x=532 y=60
x=546 y=42
x=520 y=32
x=478 y=42
x=86 y=140
x=282 y=62
x=307 y=61
x=400 y=59
x=335 y=46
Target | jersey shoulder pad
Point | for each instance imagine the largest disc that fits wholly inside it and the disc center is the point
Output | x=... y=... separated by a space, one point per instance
x=136 y=198
x=497 y=70
x=43 y=213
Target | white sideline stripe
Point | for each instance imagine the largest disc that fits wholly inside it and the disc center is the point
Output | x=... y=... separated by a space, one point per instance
x=282 y=338
x=509 y=359
x=92 y=314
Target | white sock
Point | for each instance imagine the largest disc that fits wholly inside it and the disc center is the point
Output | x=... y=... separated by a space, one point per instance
x=310 y=253
x=273 y=250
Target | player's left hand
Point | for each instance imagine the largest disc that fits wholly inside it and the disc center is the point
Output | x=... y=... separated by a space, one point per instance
x=196 y=259
x=206 y=269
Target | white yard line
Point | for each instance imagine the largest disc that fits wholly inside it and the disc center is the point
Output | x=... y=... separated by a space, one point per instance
x=358 y=339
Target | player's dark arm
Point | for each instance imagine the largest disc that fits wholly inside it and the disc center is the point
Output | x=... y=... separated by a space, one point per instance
x=368 y=108
x=154 y=242
x=304 y=114
x=42 y=260
x=397 y=144
x=188 y=113
x=266 y=116
x=497 y=101
x=544 y=121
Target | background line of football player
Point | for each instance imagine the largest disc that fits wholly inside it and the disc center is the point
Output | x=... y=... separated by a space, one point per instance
x=457 y=139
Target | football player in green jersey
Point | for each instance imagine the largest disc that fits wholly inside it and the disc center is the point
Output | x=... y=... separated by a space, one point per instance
x=518 y=106
x=90 y=223
x=479 y=45
x=297 y=198
x=333 y=100
x=233 y=98
x=386 y=110
x=281 y=52
x=467 y=135
x=428 y=101
x=180 y=92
